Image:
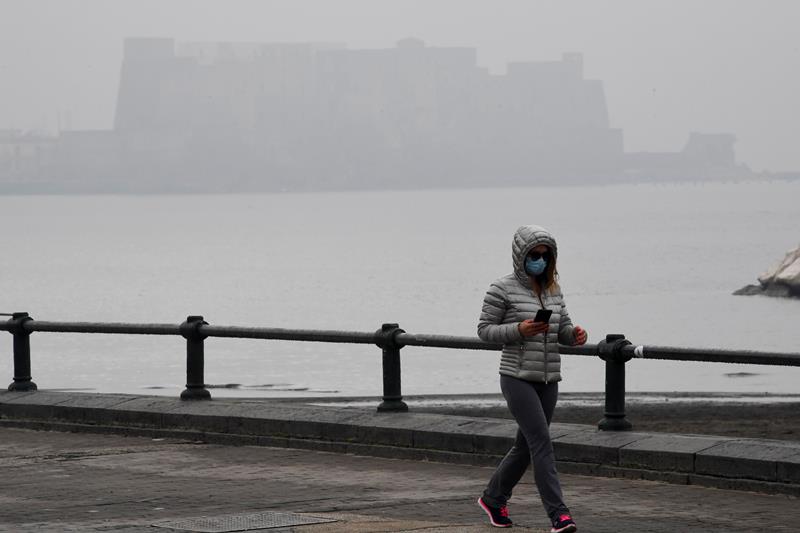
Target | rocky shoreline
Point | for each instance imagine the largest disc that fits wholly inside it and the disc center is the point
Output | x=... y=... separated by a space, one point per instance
x=782 y=280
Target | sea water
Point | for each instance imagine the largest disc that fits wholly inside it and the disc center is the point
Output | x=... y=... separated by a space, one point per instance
x=656 y=262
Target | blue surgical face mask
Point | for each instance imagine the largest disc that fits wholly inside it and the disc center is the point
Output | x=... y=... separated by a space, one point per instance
x=534 y=268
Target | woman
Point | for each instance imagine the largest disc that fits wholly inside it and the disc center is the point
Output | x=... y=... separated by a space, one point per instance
x=530 y=369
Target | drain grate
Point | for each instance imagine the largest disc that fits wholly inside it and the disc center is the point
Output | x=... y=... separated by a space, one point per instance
x=241 y=522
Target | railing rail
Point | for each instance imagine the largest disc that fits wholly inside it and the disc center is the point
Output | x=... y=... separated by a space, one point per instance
x=307 y=335
x=615 y=350
x=122 y=328
x=709 y=355
x=712 y=355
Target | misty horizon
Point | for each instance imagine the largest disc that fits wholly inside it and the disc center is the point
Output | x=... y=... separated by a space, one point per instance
x=233 y=117
x=669 y=68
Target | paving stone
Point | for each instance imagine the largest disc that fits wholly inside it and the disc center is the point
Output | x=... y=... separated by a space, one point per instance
x=559 y=430
x=666 y=452
x=789 y=469
x=749 y=458
x=455 y=434
x=41 y=397
x=88 y=408
x=39 y=404
x=594 y=446
x=495 y=438
x=95 y=401
x=140 y=411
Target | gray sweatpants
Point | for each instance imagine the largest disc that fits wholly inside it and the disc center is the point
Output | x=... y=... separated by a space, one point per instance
x=532 y=406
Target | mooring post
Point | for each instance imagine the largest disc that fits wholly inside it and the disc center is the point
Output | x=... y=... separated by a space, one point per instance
x=385 y=338
x=195 y=359
x=22 y=353
x=610 y=350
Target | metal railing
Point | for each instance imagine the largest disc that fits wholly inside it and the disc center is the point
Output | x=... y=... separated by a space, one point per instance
x=615 y=350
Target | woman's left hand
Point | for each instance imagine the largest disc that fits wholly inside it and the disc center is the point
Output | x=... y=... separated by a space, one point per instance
x=580 y=336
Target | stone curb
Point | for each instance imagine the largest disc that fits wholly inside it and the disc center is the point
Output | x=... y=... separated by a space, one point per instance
x=723 y=462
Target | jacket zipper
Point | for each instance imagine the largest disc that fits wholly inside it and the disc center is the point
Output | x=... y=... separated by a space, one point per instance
x=545 y=341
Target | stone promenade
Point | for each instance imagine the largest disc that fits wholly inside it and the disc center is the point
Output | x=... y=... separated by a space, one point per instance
x=759 y=465
x=58 y=482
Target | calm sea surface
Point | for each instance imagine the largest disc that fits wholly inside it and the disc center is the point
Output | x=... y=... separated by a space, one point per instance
x=655 y=262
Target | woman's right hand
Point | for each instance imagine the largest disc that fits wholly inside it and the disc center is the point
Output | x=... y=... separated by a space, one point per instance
x=529 y=328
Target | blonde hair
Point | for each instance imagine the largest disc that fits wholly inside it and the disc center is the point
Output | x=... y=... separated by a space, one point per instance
x=550 y=275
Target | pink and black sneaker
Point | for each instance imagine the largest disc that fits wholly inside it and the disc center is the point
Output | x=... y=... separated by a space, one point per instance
x=563 y=524
x=498 y=516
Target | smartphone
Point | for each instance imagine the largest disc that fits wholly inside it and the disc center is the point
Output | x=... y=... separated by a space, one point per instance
x=543 y=315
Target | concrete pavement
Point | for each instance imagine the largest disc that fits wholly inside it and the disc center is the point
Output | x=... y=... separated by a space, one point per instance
x=59 y=482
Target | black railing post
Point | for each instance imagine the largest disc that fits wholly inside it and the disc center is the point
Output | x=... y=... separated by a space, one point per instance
x=22 y=354
x=385 y=338
x=610 y=350
x=195 y=359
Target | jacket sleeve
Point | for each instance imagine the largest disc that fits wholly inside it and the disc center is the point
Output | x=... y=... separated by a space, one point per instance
x=566 y=331
x=490 y=325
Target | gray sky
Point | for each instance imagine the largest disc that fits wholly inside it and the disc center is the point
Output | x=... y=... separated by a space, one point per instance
x=669 y=66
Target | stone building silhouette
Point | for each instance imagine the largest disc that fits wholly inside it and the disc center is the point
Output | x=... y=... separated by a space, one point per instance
x=217 y=117
x=298 y=116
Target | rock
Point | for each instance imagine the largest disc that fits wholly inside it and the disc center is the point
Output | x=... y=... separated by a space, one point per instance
x=749 y=290
x=780 y=291
x=782 y=280
x=786 y=272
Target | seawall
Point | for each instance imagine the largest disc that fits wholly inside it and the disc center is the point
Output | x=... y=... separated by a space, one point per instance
x=725 y=462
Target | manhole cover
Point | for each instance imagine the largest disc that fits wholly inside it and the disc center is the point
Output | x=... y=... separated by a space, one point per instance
x=241 y=522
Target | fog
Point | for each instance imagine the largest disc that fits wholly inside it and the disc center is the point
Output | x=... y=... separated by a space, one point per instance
x=668 y=67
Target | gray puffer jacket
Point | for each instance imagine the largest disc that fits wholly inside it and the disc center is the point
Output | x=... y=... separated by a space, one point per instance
x=510 y=300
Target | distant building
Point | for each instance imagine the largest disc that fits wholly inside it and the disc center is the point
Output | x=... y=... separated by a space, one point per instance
x=309 y=116
x=705 y=156
x=284 y=116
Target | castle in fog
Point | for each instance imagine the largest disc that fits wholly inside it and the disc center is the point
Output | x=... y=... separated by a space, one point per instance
x=283 y=117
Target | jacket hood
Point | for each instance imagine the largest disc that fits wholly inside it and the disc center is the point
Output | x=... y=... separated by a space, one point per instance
x=525 y=238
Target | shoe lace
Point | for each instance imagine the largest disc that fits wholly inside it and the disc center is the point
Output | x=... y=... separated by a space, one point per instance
x=504 y=511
